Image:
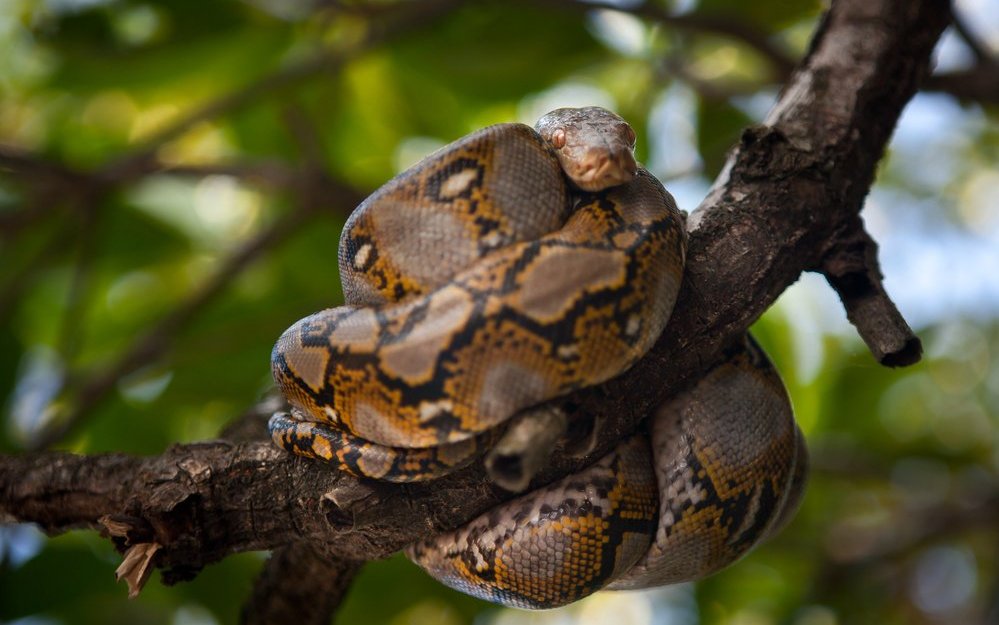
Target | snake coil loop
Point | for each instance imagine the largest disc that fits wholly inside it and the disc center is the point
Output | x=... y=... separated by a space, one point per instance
x=507 y=269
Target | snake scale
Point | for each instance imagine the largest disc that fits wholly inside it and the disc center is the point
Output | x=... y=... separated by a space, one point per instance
x=507 y=269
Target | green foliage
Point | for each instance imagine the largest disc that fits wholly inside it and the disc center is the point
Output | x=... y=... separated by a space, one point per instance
x=92 y=260
x=720 y=125
x=775 y=15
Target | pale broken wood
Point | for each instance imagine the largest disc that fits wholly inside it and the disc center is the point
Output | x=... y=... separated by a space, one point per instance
x=136 y=567
x=525 y=447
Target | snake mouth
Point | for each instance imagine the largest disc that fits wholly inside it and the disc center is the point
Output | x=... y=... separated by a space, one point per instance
x=605 y=170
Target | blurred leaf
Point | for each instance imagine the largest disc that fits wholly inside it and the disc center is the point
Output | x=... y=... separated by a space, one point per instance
x=718 y=129
x=368 y=601
x=764 y=16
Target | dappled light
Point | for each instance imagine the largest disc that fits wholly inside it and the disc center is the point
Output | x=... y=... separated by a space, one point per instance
x=175 y=176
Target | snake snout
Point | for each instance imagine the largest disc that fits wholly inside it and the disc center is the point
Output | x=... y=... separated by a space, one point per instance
x=602 y=169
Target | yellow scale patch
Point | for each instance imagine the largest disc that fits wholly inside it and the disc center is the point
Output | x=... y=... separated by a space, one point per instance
x=488 y=377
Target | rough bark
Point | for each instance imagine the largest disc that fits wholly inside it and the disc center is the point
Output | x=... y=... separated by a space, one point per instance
x=298 y=586
x=787 y=201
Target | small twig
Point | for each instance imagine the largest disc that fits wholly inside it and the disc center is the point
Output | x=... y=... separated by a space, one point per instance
x=18 y=277
x=298 y=586
x=852 y=269
x=524 y=448
x=47 y=185
x=266 y=174
x=305 y=134
x=14 y=160
x=982 y=54
x=72 y=325
x=979 y=84
x=709 y=90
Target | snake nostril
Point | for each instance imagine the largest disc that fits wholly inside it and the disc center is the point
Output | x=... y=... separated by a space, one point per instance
x=595 y=163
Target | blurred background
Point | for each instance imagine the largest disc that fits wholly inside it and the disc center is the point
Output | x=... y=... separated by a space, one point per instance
x=174 y=175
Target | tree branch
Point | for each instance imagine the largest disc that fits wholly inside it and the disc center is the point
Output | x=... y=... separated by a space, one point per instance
x=851 y=267
x=981 y=52
x=299 y=586
x=978 y=84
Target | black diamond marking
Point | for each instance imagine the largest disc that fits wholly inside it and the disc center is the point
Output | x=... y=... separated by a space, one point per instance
x=733 y=509
x=354 y=245
x=436 y=181
x=486 y=226
x=398 y=291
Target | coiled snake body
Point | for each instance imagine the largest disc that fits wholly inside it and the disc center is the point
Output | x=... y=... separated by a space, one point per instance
x=480 y=283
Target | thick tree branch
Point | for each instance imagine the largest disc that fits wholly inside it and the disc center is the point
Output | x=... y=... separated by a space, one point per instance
x=788 y=198
x=299 y=586
x=793 y=187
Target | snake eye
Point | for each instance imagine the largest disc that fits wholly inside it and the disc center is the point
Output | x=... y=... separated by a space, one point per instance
x=558 y=139
x=629 y=135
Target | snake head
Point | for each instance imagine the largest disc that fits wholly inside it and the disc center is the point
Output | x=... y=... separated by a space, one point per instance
x=594 y=146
